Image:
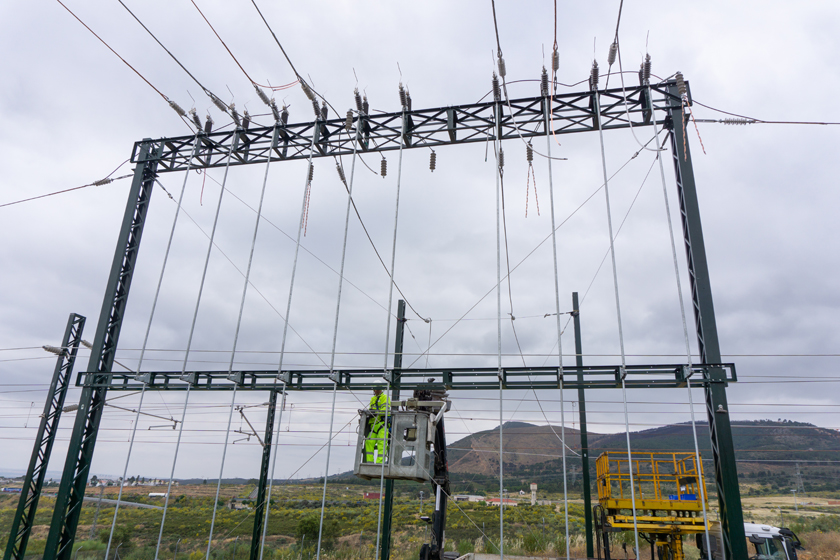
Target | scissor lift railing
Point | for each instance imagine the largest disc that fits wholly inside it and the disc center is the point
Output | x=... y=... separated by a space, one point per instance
x=667 y=491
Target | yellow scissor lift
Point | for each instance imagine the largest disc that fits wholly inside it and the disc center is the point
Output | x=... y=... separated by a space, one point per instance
x=667 y=495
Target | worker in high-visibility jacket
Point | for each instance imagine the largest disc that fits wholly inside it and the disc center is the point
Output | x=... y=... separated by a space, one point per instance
x=376 y=442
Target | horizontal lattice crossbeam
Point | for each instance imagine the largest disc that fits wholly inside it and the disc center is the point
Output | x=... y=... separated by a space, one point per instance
x=459 y=379
x=424 y=128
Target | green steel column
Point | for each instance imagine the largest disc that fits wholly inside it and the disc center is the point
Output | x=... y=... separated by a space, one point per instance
x=34 y=480
x=71 y=491
x=263 y=500
x=717 y=409
x=395 y=396
x=584 y=440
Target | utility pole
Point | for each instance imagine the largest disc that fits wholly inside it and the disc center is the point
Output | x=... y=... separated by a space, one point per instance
x=96 y=515
x=584 y=439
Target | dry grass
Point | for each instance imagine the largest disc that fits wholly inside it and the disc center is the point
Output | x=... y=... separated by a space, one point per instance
x=820 y=546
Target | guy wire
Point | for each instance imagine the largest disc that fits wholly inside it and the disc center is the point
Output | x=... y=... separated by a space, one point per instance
x=559 y=333
x=335 y=331
x=498 y=173
x=146 y=342
x=618 y=316
x=701 y=479
x=189 y=344
x=236 y=338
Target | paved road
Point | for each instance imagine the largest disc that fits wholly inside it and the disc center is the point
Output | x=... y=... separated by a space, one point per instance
x=114 y=502
x=122 y=503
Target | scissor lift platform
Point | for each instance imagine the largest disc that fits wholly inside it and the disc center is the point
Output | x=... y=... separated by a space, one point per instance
x=667 y=490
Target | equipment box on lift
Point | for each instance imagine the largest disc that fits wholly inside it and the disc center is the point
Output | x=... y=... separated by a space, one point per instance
x=408 y=453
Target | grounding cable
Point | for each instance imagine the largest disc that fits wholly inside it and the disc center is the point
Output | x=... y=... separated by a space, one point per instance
x=337 y=314
x=236 y=337
x=498 y=172
x=189 y=345
x=701 y=479
x=145 y=344
x=594 y=87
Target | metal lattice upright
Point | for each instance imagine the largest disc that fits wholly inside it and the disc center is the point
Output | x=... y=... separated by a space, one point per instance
x=71 y=492
x=720 y=430
x=570 y=113
x=34 y=480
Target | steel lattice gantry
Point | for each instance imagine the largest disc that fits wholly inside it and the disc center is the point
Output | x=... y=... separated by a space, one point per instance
x=567 y=113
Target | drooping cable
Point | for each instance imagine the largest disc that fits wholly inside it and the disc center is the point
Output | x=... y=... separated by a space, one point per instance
x=146 y=342
x=595 y=97
x=560 y=374
x=337 y=314
x=189 y=345
x=236 y=340
x=699 y=462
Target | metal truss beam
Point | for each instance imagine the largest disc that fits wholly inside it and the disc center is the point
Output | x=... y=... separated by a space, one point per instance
x=34 y=480
x=455 y=379
x=569 y=113
x=71 y=491
x=717 y=409
x=425 y=128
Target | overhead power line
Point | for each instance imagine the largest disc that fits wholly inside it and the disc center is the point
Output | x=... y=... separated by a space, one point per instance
x=213 y=97
x=99 y=183
x=752 y=120
x=177 y=108
x=286 y=86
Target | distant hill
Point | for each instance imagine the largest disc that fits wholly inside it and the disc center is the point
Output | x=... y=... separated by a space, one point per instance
x=767 y=453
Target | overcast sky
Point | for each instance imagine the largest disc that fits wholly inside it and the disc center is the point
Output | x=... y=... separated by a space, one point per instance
x=71 y=112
